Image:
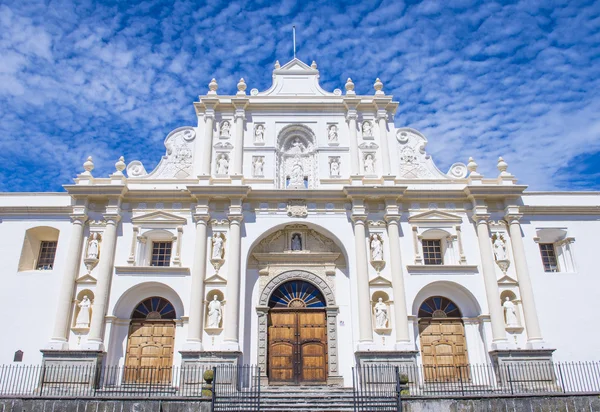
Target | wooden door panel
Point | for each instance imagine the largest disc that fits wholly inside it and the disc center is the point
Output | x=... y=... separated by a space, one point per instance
x=149 y=356
x=443 y=349
x=297 y=346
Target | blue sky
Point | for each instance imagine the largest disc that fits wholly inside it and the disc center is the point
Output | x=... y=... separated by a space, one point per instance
x=519 y=79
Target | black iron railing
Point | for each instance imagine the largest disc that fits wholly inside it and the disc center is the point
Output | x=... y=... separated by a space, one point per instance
x=236 y=388
x=376 y=388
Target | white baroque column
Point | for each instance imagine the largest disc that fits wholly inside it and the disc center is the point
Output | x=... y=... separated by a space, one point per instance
x=499 y=340
x=238 y=154
x=362 y=282
x=383 y=137
x=354 y=165
x=209 y=120
x=104 y=279
x=196 y=318
x=60 y=333
x=400 y=313
x=534 y=333
x=232 y=307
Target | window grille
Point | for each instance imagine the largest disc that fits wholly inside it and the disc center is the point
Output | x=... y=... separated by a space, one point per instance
x=161 y=253
x=46 y=256
x=549 y=257
x=432 y=252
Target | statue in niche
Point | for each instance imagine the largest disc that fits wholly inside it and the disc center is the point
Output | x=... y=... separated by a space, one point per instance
x=296 y=241
x=217 y=244
x=297 y=174
x=83 y=317
x=499 y=248
x=223 y=165
x=369 y=164
x=225 y=128
x=214 y=312
x=297 y=146
x=258 y=166
x=259 y=134
x=367 y=129
x=92 y=250
x=376 y=248
x=510 y=312
x=334 y=167
x=381 y=315
x=332 y=134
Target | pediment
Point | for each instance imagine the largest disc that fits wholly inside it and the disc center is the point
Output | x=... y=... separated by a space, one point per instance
x=159 y=217
x=380 y=281
x=295 y=78
x=507 y=280
x=435 y=216
x=87 y=278
x=216 y=279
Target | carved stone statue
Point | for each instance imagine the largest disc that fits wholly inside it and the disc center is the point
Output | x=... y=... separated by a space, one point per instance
x=334 y=167
x=499 y=248
x=367 y=129
x=381 y=315
x=297 y=146
x=376 y=248
x=258 y=166
x=510 y=312
x=217 y=244
x=223 y=165
x=214 y=313
x=259 y=134
x=83 y=317
x=297 y=174
x=332 y=134
x=225 y=128
x=369 y=164
x=92 y=250
x=296 y=242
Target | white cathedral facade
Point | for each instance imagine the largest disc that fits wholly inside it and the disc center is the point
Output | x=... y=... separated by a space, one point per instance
x=299 y=230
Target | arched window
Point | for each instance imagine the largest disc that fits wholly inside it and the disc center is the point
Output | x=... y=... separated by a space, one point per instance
x=39 y=249
x=439 y=307
x=297 y=294
x=154 y=308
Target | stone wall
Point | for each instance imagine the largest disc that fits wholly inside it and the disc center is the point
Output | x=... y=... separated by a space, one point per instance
x=513 y=404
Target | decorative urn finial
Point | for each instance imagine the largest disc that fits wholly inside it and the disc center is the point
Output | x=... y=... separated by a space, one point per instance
x=241 y=86
x=213 y=86
x=349 y=86
x=120 y=165
x=314 y=65
x=502 y=166
x=472 y=166
x=378 y=86
x=88 y=165
x=277 y=65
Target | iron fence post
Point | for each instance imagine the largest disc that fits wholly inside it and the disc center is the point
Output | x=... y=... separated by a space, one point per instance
x=510 y=380
x=214 y=389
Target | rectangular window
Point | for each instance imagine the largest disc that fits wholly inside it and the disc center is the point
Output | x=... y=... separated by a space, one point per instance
x=46 y=256
x=432 y=252
x=548 y=257
x=161 y=253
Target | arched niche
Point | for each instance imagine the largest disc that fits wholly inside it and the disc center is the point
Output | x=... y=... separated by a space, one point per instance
x=210 y=297
x=296 y=158
x=82 y=323
x=376 y=311
x=460 y=295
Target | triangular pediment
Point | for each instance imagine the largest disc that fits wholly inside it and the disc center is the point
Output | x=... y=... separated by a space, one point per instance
x=87 y=278
x=507 y=280
x=433 y=216
x=380 y=281
x=159 y=217
x=296 y=65
x=216 y=280
x=297 y=79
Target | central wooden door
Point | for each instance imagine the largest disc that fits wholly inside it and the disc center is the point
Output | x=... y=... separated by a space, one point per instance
x=297 y=346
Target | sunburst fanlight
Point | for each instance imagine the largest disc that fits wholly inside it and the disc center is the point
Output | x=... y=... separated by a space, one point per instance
x=297 y=294
x=154 y=308
x=439 y=307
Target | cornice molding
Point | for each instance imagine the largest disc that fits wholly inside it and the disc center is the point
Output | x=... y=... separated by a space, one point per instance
x=560 y=210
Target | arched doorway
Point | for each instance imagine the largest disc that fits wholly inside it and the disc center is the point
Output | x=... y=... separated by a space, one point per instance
x=297 y=334
x=443 y=343
x=150 y=342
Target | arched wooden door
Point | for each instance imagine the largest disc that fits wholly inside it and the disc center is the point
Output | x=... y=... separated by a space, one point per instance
x=150 y=342
x=297 y=335
x=443 y=343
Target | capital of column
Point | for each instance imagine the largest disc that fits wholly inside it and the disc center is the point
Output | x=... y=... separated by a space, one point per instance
x=513 y=218
x=359 y=219
x=381 y=115
x=78 y=219
x=351 y=115
x=112 y=218
x=481 y=218
x=201 y=218
x=235 y=218
x=209 y=114
x=392 y=218
x=239 y=114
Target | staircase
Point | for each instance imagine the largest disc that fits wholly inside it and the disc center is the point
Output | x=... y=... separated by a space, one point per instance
x=306 y=398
